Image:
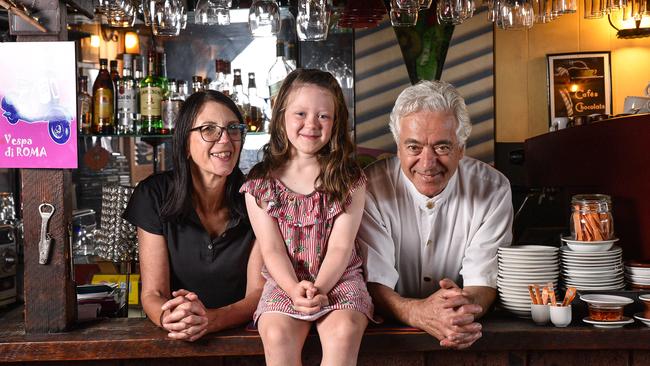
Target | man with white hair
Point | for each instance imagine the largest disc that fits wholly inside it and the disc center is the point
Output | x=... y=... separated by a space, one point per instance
x=434 y=219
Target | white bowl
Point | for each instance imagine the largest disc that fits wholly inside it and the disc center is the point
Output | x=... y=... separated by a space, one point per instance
x=637 y=271
x=589 y=246
x=599 y=299
x=639 y=316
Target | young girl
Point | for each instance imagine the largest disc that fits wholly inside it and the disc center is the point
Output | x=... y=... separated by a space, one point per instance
x=305 y=201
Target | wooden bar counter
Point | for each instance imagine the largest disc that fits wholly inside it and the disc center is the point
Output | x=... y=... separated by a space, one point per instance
x=506 y=341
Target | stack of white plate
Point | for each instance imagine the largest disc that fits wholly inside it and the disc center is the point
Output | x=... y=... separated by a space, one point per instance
x=523 y=265
x=602 y=270
x=637 y=274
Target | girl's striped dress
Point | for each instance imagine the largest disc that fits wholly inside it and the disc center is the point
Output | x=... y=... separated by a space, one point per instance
x=305 y=222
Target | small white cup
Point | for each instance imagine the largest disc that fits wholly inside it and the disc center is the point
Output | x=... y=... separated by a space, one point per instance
x=560 y=315
x=540 y=313
x=560 y=123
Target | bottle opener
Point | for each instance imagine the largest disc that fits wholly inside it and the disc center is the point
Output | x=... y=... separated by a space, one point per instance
x=46 y=239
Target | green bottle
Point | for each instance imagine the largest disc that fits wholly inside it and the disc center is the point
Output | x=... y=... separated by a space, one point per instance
x=151 y=95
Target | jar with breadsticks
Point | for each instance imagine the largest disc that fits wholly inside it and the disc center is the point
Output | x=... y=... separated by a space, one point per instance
x=591 y=217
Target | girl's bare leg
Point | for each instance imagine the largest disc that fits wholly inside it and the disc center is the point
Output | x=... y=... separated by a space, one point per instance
x=283 y=338
x=340 y=336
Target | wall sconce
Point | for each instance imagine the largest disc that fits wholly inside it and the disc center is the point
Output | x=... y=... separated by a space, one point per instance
x=633 y=27
x=94 y=41
x=131 y=42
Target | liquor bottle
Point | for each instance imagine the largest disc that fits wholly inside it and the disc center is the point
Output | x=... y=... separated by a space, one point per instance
x=151 y=92
x=137 y=77
x=291 y=55
x=206 y=83
x=103 y=101
x=115 y=76
x=238 y=96
x=84 y=102
x=126 y=99
x=255 y=118
x=170 y=107
x=197 y=84
x=162 y=72
x=226 y=86
x=278 y=72
x=182 y=89
x=217 y=83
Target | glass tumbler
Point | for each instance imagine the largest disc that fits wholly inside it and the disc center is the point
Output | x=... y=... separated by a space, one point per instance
x=212 y=12
x=517 y=14
x=264 y=18
x=313 y=20
x=454 y=11
x=404 y=13
x=167 y=17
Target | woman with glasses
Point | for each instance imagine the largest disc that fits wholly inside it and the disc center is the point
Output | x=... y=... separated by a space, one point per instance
x=199 y=263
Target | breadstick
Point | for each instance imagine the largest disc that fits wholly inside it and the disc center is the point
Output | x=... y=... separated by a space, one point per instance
x=538 y=294
x=576 y=225
x=533 y=298
x=545 y=295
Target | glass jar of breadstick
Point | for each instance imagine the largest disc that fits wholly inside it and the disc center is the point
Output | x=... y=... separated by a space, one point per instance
x=591 y=217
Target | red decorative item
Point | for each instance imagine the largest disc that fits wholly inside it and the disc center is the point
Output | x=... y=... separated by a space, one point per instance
x=362 y=14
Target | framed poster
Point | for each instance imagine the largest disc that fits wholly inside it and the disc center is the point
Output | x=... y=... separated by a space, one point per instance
x=579 y=84
x=38 y=99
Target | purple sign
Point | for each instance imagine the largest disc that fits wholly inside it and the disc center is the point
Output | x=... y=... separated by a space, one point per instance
x=38 y=123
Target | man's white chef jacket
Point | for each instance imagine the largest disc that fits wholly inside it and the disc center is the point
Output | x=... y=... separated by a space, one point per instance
x=412 y=241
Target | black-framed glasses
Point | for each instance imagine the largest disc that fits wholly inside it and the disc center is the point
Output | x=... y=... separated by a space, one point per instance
x=212 y=132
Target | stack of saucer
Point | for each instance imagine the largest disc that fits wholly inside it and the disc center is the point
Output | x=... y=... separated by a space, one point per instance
x=520 y=266
x=637 y=274
x=602 y=270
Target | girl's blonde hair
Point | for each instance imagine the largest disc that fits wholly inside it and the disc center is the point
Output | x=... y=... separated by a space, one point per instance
x=339 y=171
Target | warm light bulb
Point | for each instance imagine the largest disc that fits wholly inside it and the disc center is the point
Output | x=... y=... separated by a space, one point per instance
x=574 y=88
x=131 y=42
x=94 y=41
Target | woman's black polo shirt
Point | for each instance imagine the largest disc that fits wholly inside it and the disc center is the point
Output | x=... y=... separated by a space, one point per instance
x=214 y=268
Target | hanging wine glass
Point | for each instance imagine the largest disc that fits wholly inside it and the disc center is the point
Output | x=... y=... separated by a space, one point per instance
x=264 y=18
x=312 y=23
x=212 y=12
x=145 y=9
x=167 y=17
x=404 y=13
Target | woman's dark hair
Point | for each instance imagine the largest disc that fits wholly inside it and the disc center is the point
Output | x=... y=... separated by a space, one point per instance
x=338 y=169
x=178 y=204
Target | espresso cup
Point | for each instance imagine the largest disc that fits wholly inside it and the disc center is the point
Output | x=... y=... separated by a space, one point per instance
x=540 y=313
x=580 y=120
x=560 y=315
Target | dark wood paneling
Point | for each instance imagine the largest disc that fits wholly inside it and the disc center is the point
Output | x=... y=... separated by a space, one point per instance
x=587 y=358
x=640 y=358
x=50 y=300
x=244 y=361
x=609 y=157
x=467 y=358
x=203 y=361
x=392 y=359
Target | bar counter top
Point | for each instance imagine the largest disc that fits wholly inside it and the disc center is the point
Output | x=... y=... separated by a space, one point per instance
x=129 y=339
